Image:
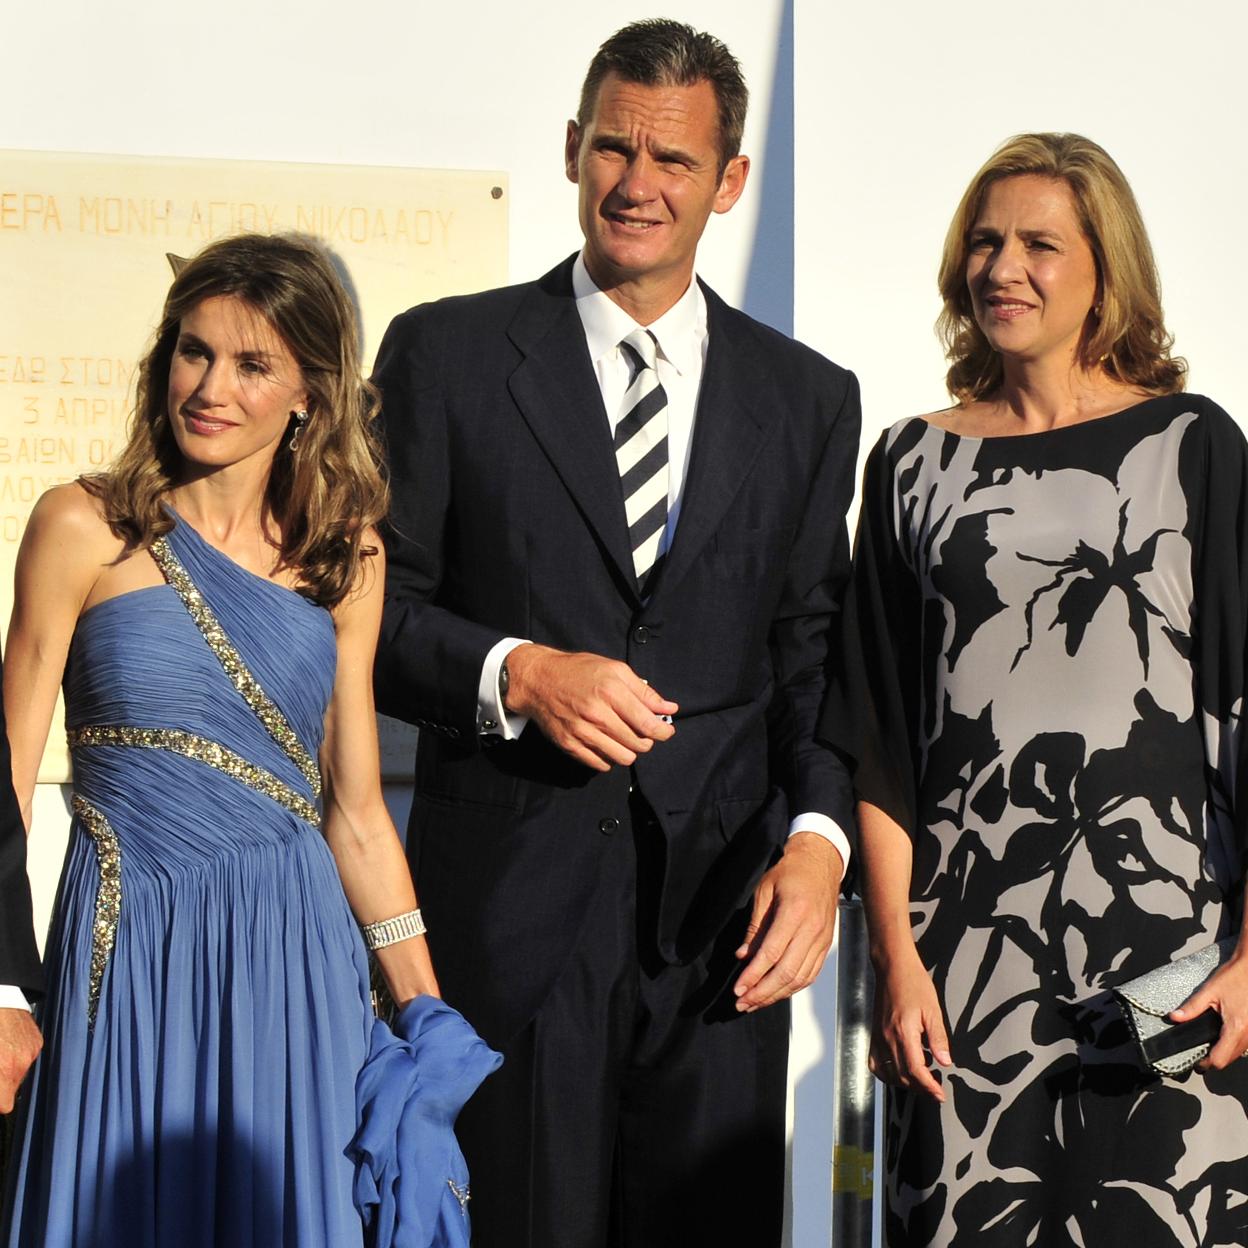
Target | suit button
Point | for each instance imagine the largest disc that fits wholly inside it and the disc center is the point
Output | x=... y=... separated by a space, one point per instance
x=641 y=634
x=607 y=826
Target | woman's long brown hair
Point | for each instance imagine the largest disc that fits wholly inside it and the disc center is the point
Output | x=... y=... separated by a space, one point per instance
x=322 y=497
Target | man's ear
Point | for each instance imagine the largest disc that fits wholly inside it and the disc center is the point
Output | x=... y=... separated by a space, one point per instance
x=571 y=151
x=731 y=183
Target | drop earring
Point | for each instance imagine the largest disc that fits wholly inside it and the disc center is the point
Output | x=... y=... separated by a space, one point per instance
x=301 y=419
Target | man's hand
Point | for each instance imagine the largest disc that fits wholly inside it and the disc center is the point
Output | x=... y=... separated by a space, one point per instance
x=20 y=1043
x=793 y=922
x=597 y=710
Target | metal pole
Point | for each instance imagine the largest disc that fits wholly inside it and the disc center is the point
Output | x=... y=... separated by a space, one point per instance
x=853 y=1136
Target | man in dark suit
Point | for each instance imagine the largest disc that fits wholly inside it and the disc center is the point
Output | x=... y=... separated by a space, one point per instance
x=616 y=552
x=20 y=975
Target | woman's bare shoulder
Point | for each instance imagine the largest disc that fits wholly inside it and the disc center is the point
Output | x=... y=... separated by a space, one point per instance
x=363 y=599
x=69 y=510
x=67 y=524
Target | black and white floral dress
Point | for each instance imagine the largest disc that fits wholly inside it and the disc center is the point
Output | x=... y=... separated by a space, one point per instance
x=1046 y=667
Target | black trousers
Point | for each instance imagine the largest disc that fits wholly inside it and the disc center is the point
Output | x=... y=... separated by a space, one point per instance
x=638 y=1109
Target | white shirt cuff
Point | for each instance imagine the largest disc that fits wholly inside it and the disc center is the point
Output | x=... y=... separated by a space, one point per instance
x=11 y=998
x=493 y=719
x=827 y=828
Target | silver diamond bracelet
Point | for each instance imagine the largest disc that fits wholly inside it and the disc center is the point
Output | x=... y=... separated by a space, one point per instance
x=390 y=931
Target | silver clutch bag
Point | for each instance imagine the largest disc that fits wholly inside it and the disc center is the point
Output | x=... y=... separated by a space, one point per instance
x=1166 y=1047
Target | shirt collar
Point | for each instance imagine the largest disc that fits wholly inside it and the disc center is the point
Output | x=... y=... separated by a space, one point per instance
x=680 y=331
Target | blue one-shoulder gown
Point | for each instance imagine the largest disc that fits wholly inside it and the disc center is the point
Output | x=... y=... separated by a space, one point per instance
x=208 y=1011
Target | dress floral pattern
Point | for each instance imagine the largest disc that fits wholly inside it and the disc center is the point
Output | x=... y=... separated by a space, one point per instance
x=1045 y=641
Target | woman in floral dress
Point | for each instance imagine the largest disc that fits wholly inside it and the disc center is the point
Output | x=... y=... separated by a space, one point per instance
x=1046 y=639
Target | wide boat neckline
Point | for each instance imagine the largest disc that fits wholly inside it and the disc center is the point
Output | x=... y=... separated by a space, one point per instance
x=1055 y=431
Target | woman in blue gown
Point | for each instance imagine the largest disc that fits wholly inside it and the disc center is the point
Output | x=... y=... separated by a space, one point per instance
x=212 y=1073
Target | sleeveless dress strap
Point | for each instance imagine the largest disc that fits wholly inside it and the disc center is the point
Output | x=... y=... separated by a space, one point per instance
x=218 y=641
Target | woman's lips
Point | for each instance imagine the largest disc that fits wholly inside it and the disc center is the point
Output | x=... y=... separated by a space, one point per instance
x=1007 y=309
x=206 y=426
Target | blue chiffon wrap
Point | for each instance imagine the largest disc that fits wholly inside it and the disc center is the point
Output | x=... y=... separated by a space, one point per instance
x=411 y=1181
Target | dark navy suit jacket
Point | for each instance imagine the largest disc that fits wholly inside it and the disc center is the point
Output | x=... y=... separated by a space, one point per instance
x=19 y=955
x=508 y=520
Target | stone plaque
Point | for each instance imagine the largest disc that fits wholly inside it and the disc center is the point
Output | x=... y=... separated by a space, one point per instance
x=85 y=243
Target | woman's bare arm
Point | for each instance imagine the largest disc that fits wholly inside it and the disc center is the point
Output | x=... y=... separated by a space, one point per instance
x=358 y=826
x=63 y=552
x=907 y=1012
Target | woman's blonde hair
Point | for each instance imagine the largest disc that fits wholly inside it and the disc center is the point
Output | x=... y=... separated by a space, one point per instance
x=323 y=496
x=1127 y=337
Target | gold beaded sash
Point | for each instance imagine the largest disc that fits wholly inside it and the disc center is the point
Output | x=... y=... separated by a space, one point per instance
x=266 y=710
x=108 y=847
x=202 y=750
x=188 y=745
x=107 y=899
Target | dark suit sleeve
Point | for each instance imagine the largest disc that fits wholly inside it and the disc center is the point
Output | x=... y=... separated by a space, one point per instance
x=19 y=954
x=806 y=625
x=429 y=659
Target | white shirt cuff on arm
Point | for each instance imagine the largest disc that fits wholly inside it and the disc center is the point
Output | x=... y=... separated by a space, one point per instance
x=11 y=998
x=493 y=719
x=822 y=826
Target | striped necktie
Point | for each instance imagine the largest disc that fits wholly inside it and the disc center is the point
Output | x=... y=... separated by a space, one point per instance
x=641 y=453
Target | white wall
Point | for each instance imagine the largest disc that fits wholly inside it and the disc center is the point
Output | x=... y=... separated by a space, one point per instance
x=482 y=84
x=900 y=103
x=896 y=105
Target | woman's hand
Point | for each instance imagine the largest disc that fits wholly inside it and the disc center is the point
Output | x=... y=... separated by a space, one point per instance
x=1225 y=991
x=406 y=966
x=907 y=1018
x=907 y=1011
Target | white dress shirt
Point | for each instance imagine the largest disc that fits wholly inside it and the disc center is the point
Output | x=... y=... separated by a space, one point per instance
x=12 y=998
x=682 y=337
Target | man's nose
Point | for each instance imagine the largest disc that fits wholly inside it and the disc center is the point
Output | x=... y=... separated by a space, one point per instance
x=637 y=182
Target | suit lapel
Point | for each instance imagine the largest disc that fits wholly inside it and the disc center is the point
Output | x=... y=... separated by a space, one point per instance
x=737 y=408
x=558 y=396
